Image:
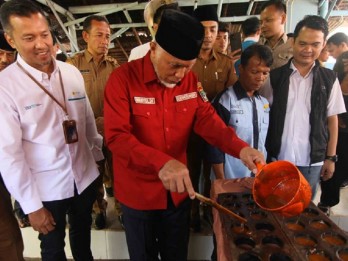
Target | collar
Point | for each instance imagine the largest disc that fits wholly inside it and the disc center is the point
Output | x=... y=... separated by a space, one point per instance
x=213 y=55
x=38 y=75
x=241 y=93
x=282 y=40
x=89 y=56
x=148 y=69
x=293 y=67
x=252 y=38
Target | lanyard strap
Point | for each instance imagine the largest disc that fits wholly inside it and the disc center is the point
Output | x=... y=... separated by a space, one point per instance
x=255 y=124
x=44 y=89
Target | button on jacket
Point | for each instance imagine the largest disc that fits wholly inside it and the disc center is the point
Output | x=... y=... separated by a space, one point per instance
x=95 y=77
x=35 y=162
x=215 y=74
x=147 y=124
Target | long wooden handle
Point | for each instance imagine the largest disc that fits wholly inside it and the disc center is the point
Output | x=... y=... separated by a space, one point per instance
x=219 y=207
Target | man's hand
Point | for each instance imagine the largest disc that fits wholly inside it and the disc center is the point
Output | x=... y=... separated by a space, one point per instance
x=235 y=55
x=327 y=170
x=249 y=156
x=42 y=221
x=101 y=166
x=175 y=177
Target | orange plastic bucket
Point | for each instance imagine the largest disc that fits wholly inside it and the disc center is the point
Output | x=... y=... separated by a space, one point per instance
x=280 y=187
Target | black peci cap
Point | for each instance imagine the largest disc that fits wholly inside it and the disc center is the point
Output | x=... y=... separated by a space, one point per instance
x=205 y=13
x=4 y=44
x=180 y=34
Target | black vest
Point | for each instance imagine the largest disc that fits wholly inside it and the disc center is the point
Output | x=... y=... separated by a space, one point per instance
x=323 y=80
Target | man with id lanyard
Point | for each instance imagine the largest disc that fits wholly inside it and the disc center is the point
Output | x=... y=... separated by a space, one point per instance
x=49 y=142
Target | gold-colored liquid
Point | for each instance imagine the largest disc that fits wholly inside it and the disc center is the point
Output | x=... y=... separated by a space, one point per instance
x=305 y=241
x=273 y=201
x=334 y=240
x=294 y=226
x=320 y=225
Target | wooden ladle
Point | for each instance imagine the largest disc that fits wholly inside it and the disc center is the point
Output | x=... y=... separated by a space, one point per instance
x=219 y=207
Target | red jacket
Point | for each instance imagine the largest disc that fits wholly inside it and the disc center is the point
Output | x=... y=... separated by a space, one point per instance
x=147 y=124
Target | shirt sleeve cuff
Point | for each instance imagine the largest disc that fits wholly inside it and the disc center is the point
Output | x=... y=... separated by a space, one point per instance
x=31 y=205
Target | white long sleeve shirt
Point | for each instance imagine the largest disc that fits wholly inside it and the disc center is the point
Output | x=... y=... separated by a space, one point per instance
x=295 y=146
x=139 y=51
x=35 y=162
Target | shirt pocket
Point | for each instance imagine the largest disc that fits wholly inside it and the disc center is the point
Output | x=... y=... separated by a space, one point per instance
x=187 y=106
x=285 y=55
x=240 y=120
x=144 y=111
x=77 y=106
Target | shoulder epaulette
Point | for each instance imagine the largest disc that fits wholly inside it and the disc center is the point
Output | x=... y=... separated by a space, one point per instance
x=111 y=60
x=75 y=56
x=224 y=55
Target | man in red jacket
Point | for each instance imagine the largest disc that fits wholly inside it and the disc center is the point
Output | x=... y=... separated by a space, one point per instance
x=151 y=106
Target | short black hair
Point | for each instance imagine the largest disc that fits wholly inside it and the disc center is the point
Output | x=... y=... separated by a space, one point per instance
x=87 y=23
x=278 y=4
x=250 y=26
x=223 y=27
x=338 y=38
x=158 y=14
x=259 y=50
x=22 y=8
x=339 y=66
x=314 y=22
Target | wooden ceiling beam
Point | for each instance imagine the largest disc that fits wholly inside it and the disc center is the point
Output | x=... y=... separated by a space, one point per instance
x=122 y=49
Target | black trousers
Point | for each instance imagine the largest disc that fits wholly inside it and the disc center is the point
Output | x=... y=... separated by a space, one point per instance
x=11 y=242
x=154 y=235
x=330 y=189
x=79 y=209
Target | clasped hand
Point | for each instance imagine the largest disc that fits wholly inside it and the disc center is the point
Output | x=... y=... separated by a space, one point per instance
x=42 y=221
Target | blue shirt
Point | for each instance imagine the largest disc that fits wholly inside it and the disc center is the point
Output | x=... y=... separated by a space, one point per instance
x=235 y=107
x=245 y=45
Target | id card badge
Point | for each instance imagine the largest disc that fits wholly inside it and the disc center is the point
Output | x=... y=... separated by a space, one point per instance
x=70 y=131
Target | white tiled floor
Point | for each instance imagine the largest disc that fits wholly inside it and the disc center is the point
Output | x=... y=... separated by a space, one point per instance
x=110 y=243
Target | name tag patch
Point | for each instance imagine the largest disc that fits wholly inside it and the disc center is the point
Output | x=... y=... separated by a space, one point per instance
x=76 y=95
x=144 y=100
x=186 y=96
x=84 y=71
x=236 y=111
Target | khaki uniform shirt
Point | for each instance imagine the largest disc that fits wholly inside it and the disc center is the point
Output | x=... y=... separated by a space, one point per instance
x=95 y=77
x=216 y=74
x=282 y=51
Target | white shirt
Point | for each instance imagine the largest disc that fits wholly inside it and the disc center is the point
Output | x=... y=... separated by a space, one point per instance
x=295 y=145
x=139 y=51
x=35 y=162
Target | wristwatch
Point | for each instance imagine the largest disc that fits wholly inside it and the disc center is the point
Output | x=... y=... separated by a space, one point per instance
x=333 y=158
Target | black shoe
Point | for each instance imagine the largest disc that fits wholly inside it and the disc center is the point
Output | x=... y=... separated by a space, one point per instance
x=344 y=184
x=324 y=209
x=120 y=219
x=100 y=222
x=109 y=192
